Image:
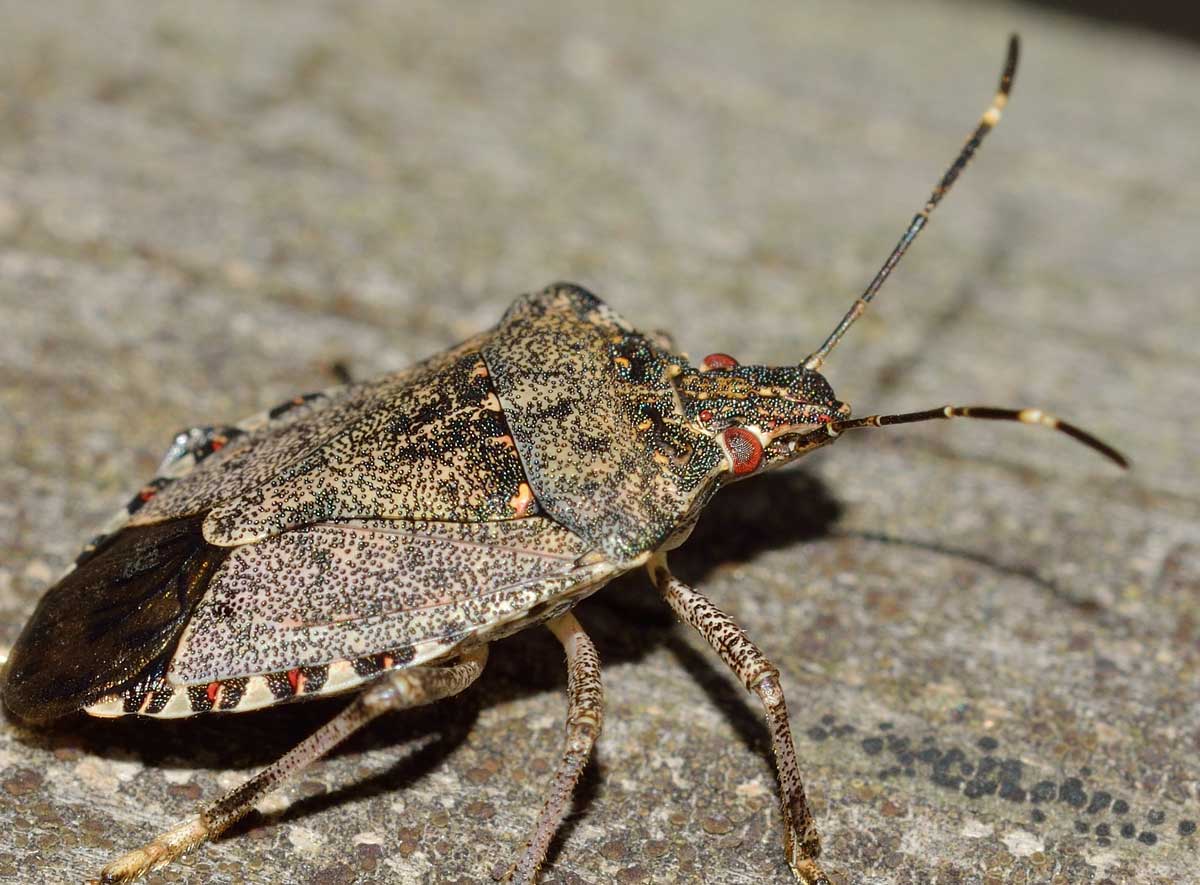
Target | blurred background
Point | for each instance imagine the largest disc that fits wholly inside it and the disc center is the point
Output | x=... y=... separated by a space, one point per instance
x=990 y=638
x=1175 y=20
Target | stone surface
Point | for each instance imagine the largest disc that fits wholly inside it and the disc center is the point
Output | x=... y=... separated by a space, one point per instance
x=990 y=638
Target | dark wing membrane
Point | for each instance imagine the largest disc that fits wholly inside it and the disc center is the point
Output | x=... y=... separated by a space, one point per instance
x=113 y=621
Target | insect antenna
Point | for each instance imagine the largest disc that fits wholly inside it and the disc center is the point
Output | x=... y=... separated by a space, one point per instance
x=989 y=119
x=987 y=413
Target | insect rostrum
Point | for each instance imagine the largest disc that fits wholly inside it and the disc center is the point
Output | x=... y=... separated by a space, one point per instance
x=376 y=537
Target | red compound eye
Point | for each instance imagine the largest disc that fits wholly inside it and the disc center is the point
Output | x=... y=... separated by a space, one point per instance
x=718 y=361
x=706 y=415
x=745 y=449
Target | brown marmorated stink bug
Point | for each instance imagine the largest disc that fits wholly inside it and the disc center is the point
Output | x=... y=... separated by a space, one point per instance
x=374 y=538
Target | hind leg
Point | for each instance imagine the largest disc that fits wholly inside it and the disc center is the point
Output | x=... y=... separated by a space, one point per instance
x=585 y=715
x=394 y=691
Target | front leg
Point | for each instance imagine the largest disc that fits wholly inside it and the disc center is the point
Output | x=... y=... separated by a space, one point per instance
x=740 y=654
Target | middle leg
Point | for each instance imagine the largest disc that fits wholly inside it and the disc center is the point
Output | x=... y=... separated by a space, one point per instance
x=585 y=715
x=742 y=656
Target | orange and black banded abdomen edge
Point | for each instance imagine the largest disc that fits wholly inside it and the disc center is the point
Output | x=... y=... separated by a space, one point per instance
x=113 y=622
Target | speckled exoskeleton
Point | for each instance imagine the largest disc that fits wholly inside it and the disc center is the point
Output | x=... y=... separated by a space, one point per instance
x=376 y=537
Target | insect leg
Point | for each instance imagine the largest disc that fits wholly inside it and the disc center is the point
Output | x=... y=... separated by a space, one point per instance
x=800 y=839
x=585 y=715
x=396 y=690
x=191 y=446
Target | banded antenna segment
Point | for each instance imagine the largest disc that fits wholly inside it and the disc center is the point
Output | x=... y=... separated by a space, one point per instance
x=986 y=123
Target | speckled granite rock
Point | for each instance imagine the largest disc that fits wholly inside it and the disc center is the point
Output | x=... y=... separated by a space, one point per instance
x=990 y=639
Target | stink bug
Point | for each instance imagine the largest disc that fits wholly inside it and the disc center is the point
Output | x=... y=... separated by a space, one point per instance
x=376 y=537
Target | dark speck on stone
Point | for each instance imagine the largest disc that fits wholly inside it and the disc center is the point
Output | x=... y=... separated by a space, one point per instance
x=1100 y=801
x=980 y=786
x=843 y=730
x=987 y=744
x=885 y=726
x=943 y=778
x=930 y=755
x=872 y=746
x=1072 y=793
x=1038 y=816
x=1120 y=806
x=944 y=768
x=954 y=756
x=1082 y=826
x=1043 y=791
x=828 y=719
x=1128 y=831
x=1013 y=792
x=817 y=733
x=1147 y=837
x=1187 y=827
x=1156 y=816
x=1104 y=841
x=1103 y=830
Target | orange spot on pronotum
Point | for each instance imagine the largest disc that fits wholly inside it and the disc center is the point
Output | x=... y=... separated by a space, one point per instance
x=218 y=443
x=294 y=679
x=718 y=361
x=744 y=450
x=147 y=493
x=706 y=415
x=213 y=689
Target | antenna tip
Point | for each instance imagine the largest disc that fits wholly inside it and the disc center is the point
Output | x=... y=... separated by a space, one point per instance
x=1010 y=64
